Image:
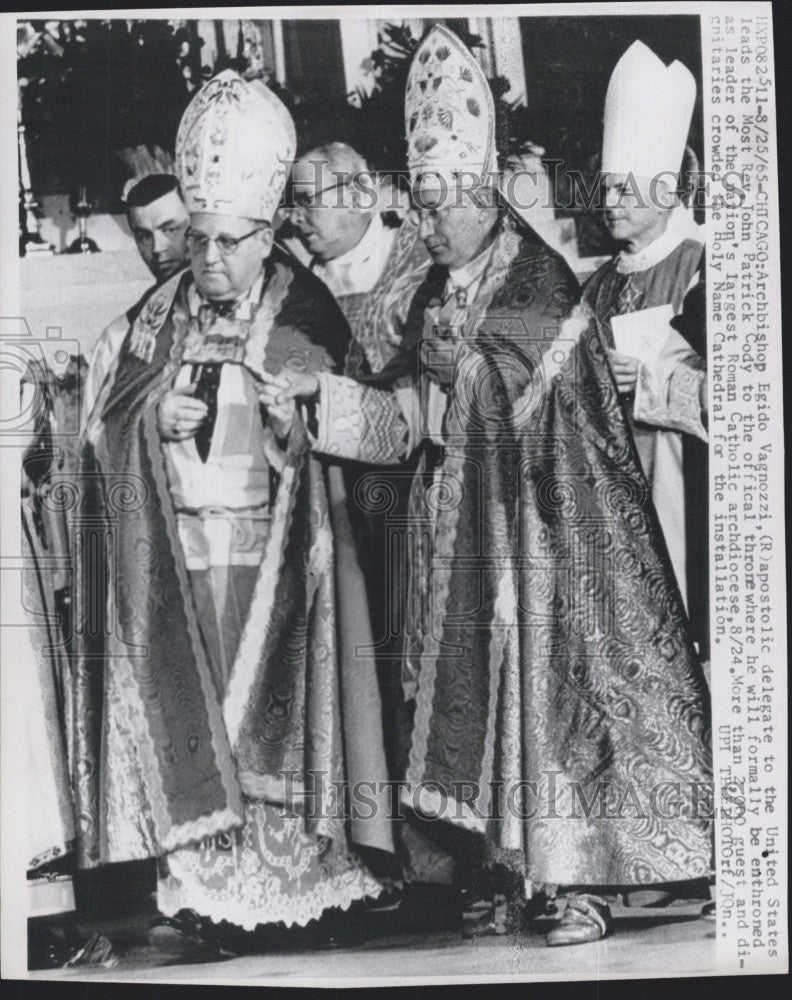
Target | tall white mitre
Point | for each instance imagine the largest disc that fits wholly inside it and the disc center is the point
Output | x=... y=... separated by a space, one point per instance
x=648 y=108
x=449 y=112
x=234 y=149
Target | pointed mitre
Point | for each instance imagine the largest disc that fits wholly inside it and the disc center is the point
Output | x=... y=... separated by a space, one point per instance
x=449 y=112
x=648 y=108
x=234 y=149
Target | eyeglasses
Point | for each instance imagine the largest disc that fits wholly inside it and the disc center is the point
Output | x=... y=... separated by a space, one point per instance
x=417 y=216
x=226 y=245
x=479 y=198
x=304 y=202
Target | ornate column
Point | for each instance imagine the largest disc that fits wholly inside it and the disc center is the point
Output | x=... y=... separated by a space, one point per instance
x=279 y=52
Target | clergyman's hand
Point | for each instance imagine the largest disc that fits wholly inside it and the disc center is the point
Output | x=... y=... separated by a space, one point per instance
x=625 y=372
x=281 y=417
x=278 y=390
x=179 y=415
x=277 y=394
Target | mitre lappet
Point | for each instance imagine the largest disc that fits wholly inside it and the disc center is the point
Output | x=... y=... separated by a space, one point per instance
x=234 y=149
x=648 y=108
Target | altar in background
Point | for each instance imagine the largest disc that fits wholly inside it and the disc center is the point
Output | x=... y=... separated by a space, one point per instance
x=82 y=293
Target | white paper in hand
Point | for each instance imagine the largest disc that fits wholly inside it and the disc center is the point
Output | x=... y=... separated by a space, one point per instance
x=643 y=334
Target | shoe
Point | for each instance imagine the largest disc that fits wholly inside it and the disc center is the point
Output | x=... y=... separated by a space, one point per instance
x=338 y=929
x=485 y=917
x=388 y=901
x=53 y=947
x=648 y=898
x=97 y=950
x=586 y=918
x=187 y=936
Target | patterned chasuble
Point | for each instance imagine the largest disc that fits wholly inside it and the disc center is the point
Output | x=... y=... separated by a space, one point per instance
x=378 y=318
x=178 y=753
x=561 y=709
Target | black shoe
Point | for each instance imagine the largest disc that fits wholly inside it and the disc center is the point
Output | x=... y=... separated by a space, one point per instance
x=427 y=908
x=188 y=937
x=52 y=947
x=485 y=917
x=342 y=928
x=388 y=901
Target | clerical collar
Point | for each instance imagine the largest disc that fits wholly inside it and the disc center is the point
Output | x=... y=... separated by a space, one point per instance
x=681 y=226
x=241 y=308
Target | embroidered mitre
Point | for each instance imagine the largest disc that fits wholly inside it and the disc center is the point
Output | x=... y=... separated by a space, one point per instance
x=234 y=148
x=449 y=113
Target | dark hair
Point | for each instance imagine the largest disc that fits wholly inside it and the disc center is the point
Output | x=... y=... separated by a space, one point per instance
x=150 y=188
x=689 y=178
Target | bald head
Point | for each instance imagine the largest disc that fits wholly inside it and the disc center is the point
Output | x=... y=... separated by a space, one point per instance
x=329 y=217
x=339 y=157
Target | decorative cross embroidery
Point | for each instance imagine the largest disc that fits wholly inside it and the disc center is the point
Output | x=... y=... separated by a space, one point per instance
x=147 y=326
x=629 y=296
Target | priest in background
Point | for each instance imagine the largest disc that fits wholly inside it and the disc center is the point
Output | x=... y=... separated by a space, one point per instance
x=649 y=304
x=373 y=262
x=158 y=220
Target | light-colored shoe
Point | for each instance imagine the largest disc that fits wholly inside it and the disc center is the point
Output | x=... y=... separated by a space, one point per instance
x=586 y=918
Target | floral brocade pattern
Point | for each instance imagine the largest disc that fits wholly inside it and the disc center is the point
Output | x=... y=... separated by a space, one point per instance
x=378 y=318
x=359 y=421
x=128 y=826
x=569 y=670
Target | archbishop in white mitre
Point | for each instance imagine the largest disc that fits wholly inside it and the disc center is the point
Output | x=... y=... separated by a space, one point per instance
x=222 y=702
